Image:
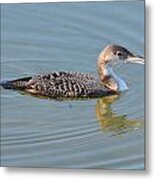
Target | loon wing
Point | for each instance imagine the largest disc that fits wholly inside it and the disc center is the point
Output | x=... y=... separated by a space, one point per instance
x=59 y=84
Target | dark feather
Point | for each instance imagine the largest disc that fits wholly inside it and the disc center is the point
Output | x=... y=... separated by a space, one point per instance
x=61 y=85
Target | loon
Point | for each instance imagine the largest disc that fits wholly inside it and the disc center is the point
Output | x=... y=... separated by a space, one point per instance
x=79 y=85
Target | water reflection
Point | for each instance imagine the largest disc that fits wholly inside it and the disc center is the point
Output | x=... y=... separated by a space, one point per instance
x=110 y=121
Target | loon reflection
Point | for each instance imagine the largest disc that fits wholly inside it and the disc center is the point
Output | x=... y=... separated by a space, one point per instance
x=76 y=84
x=110 y=121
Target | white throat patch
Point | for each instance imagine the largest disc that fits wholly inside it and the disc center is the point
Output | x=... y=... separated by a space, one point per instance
x=122 y=86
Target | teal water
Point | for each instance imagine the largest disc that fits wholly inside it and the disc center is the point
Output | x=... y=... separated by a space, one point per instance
x=106 y=133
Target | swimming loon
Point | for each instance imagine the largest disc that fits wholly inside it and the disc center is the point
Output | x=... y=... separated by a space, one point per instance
x=79 y=85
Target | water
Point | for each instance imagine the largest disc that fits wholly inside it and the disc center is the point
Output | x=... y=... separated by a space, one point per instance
x=106 y=133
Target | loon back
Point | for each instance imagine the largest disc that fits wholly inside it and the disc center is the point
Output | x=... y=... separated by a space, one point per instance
x=60 y=85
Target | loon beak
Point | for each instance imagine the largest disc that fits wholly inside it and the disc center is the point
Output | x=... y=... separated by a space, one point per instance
x=135 y=59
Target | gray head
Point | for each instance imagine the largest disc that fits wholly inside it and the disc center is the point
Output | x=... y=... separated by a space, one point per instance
x=113 y=54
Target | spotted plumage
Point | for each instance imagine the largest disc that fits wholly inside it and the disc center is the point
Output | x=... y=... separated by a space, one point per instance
x=61 y=84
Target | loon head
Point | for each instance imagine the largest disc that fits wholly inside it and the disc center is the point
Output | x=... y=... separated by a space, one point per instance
x=110 y=56
x=114 y=54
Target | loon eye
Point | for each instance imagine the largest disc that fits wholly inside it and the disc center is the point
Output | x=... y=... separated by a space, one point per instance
x=119 y=53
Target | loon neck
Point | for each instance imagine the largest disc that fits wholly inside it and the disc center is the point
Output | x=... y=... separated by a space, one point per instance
x=122 y=86
x=110 y=79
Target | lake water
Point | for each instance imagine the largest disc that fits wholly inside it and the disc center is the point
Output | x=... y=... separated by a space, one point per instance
x=105 y=133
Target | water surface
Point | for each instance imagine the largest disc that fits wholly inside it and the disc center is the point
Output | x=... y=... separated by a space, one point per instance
x=105 y=133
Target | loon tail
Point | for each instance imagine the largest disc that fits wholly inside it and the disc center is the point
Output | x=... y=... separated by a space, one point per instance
x=18 y=84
